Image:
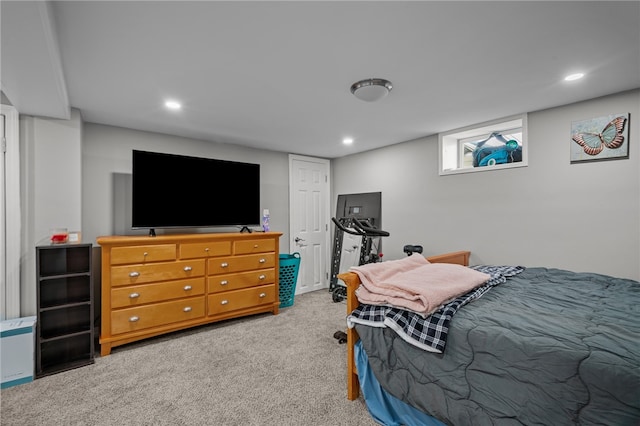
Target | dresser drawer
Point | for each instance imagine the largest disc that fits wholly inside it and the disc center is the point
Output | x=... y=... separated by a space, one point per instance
x=213 y=248
x=240 y=299
x=122 y=297
x=224 y=265
x=227 y=282
x=138 y=274
x=254 y=246
x=133 y=319
x=143 y=254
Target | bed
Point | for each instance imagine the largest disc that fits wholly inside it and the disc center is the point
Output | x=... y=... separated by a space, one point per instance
x=546 y=346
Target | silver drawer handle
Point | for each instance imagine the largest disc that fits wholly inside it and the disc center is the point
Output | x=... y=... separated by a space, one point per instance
x=133 y=319
x=134 y=274
x=224 y=264
x=187 y=268
x=255 y=246
x=134 y=295
x=224 y=302
x=262 y=260
x=262 y=277
x=187 y=287
x=145 y=254
x=224 y=282
x=207 y=249
x=187 y=309
x=263 y=295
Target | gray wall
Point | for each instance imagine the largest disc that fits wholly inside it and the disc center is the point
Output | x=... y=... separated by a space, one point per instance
x=50 y=190
x=70 y=172
x=582 y=217
x=106 y=160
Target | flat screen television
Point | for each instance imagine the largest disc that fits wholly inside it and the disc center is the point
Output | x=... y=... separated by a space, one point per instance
x=177 y=191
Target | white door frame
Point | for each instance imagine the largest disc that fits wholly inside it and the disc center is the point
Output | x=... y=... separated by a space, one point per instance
x=10 y=244
x=327 y=214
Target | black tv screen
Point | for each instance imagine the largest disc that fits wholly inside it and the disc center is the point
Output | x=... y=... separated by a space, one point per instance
x=174 y=191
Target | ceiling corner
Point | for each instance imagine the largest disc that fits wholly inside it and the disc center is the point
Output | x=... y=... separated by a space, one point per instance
x=31 y=70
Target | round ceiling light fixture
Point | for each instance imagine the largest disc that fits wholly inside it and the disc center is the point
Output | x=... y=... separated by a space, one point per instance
x=371 y=89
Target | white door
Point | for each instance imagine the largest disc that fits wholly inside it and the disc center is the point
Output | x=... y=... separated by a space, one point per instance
x=309 y=220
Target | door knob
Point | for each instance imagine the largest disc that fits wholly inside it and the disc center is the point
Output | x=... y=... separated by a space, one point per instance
x=298 y=239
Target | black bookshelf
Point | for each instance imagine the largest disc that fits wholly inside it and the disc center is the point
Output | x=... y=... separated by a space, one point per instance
x=65 y=337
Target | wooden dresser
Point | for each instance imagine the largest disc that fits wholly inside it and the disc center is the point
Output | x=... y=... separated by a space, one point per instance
x=155 y=285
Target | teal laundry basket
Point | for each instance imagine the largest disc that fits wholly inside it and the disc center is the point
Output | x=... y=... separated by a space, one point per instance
x=289 y=267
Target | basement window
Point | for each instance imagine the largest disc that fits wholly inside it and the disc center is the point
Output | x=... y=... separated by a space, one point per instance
x=493 y=145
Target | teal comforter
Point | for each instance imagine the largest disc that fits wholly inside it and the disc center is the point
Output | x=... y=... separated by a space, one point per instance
x=548 y=347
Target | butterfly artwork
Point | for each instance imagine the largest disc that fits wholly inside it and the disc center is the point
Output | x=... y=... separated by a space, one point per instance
x=600 y=138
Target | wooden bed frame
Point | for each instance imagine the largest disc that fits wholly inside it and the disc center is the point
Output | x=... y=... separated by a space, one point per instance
x=352 y=281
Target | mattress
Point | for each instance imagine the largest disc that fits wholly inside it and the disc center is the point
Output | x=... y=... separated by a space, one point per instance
x=548 y=346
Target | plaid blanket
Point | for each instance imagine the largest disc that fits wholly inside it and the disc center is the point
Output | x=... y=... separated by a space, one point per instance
x=428 y=333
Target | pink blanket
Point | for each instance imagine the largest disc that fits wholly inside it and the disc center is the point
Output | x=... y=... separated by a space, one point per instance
x=415 y=284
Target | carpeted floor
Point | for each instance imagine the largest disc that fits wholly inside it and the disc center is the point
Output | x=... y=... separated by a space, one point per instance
x=285 y=369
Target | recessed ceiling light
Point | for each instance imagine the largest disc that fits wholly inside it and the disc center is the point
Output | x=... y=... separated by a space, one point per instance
x=173 y=105
x=347 y=141
x=572 y=77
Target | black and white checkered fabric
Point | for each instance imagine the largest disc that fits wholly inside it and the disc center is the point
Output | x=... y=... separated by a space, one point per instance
x=428 y=333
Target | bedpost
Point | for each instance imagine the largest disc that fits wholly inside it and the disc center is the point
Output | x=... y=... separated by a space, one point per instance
x=352 y=281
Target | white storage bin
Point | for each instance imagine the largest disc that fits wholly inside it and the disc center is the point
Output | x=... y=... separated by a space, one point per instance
x=17 y=343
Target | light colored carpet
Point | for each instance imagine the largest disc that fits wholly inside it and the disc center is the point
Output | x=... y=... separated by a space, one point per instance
x=285 y=369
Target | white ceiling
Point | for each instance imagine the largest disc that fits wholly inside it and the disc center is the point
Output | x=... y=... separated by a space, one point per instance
x=276 y=75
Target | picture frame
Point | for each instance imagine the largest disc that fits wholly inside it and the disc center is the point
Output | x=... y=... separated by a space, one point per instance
x=600 y=138
x=75 y=237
